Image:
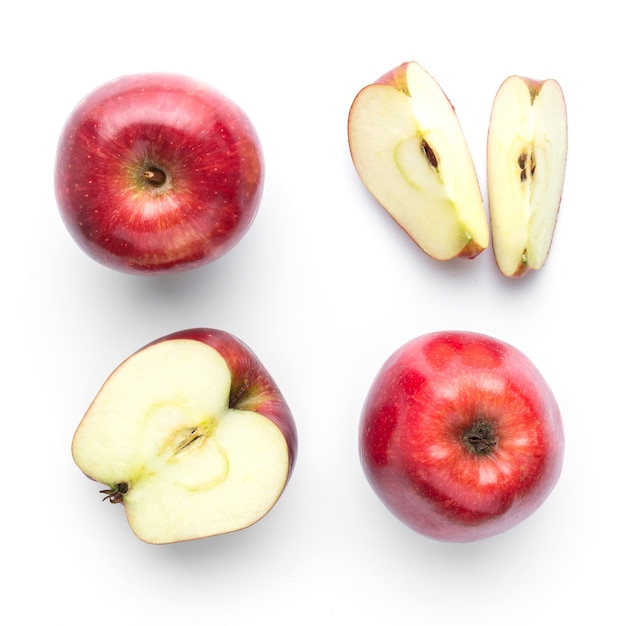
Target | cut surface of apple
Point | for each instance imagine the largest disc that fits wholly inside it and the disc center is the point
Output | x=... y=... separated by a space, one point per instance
x=410 y=152
x=187 y=455
x=526 y=157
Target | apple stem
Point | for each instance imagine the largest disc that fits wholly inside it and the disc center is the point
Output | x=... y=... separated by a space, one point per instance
x=155 y=176
x=481 y=438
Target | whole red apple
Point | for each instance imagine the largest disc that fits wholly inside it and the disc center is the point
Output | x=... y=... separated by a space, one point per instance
x=192 y=435
x=460 y=436
x=158 y=173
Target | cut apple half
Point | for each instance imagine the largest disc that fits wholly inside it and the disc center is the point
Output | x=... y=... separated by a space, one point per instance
x=526 y=156
x=410 y=152
x=179 y=442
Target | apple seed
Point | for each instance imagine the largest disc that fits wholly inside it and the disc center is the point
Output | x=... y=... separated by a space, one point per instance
x=522 y=161
x=430 y=154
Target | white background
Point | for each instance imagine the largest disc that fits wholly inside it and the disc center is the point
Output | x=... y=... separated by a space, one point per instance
x=323 y=288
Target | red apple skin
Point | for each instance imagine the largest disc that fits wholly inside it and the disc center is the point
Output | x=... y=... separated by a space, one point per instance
x=204 y=144
x=253 y=388
x=420 y=453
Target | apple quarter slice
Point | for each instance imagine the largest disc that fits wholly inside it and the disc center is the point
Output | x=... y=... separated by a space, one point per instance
x=410 y=152
x=526 y=156
x=187 y=455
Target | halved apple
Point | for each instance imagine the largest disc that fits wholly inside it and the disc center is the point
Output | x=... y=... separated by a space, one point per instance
x=409 y=150
x=526 y=155
x=192 y=435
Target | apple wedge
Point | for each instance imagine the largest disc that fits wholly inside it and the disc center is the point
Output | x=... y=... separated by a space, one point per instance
x=410 y=152
x=526 y=155
x=191 y=435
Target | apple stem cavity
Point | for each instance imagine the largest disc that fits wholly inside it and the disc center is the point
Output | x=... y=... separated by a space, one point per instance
x=115 y=495
x=237 y=398
x=481 y=438
x=154 y=176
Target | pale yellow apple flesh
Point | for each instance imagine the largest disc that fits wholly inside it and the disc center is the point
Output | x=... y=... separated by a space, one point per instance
x=161 y=435
x=526 y=156
x=410 y=152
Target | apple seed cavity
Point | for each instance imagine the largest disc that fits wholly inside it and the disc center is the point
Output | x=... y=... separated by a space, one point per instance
x=481 y=438
x=527 y=166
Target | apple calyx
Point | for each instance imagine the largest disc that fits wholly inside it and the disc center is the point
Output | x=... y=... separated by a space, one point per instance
x=481 y=439
x=115 y=495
